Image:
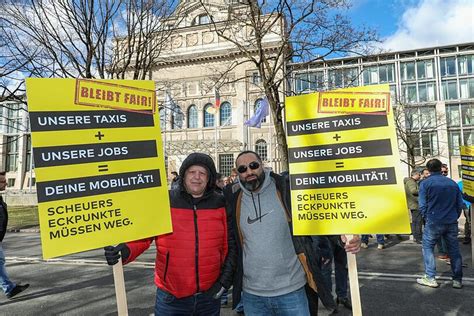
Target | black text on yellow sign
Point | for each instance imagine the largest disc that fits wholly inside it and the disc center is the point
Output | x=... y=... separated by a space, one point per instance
x=344 y=164
x=467 y=169
x=99 y=163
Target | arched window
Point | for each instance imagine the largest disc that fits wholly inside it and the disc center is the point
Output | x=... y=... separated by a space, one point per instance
x=163 y=118
x=226 y=114
x=261 y=149
x=201 y=19
x=192 y=117
x=209 y=111
x=258 y=103
x=177 y=117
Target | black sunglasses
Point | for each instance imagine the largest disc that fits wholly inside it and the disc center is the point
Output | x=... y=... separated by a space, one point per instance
x=253 y=165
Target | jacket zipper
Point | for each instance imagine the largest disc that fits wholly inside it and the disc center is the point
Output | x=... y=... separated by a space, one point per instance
x=166 y=266
x=196 y=249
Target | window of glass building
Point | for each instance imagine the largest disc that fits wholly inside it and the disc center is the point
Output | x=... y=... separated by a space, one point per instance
x=302 y=82
x=393 y=94
x=225 y=114
x=386 y=73
x=226 y=163
x=371 y=75
x=424 y=69
x=467 y=114
x=448 y=66
x=466 y=88
x=335 y=78
x=426 y=91
x=29 y=161
x=208 y=115
x=192 y=117
x=11 y=119
x=378 y=74
x=425 y=143
x=449 y=90
x=316 y=81
x=429 y=143
x=351 y=77
x=453 y=117
x=460 y=122
x=466 y=65
x=261 y=149
x=12 y=153
x=409 y=93
x=407 y=70
x=454 y=141
x=420 y=117
x=258 y=104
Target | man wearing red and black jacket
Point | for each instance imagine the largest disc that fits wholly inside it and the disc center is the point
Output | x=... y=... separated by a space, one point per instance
x=195 y=263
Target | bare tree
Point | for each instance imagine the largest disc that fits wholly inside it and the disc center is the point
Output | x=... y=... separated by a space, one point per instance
x=271 y=34
x=81 y=38
x=417 y=131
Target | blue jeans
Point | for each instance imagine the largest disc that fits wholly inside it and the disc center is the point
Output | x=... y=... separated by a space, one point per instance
x=432 y=234
x=291 y=304
x=198 y=305
x=5 y=282
x=339 y=256
x=365 y=239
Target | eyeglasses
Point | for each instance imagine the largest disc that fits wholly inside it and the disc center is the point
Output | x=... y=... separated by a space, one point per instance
x=253 y=165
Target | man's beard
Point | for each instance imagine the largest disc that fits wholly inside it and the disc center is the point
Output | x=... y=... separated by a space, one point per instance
x=254 y=184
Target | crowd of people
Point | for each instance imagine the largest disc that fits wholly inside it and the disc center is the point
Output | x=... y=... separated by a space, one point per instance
x=236 y=232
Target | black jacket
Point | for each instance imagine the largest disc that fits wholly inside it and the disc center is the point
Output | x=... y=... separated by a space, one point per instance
x=3 y=219
x=303 y=248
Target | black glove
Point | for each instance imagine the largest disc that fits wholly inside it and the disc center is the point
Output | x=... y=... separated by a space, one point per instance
x=215 y=291
x=113 y=254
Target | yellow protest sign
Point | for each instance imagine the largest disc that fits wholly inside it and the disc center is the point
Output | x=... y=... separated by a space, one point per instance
x=467 y=169
x=344 y=163
x=98 y=161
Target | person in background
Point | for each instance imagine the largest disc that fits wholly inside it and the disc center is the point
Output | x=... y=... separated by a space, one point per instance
x=424 y=174
x=233 y=176
x=411 y=191
x=194 y=264
x=331 y=250
x=174 y=180
x=380 y=241
x=440 y=202
x=219 y=183
x=9 y=288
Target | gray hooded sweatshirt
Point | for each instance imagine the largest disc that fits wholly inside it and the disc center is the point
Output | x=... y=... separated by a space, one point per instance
x=270 y=264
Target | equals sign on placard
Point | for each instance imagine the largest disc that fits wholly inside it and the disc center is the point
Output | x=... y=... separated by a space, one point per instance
x=103 y=168
x=339 y=165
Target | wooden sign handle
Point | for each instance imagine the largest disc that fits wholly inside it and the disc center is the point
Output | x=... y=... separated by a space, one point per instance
x=120 y=293
x=353 y=281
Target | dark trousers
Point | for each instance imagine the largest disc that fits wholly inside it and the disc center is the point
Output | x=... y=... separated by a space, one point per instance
x=416 y=224
x=198 y=305
x=339 y=256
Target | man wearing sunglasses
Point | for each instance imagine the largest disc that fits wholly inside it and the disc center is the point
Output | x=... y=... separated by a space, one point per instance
x=277 y=272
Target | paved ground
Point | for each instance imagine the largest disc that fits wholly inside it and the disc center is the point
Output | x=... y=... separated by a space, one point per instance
x=82 y=284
